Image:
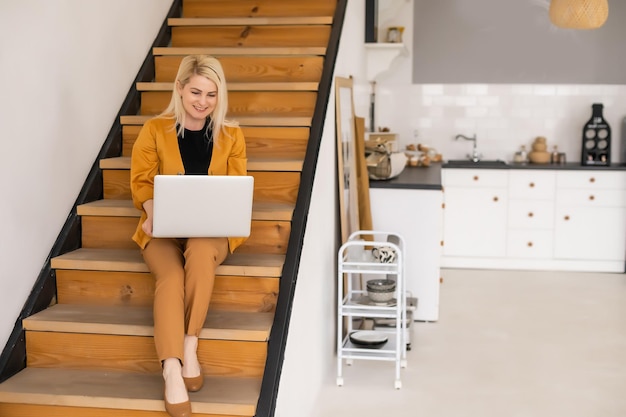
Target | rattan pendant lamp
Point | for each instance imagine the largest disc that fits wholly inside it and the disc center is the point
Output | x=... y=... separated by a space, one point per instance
x=579 y=14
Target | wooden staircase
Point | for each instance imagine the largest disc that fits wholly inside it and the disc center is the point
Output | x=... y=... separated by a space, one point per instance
x=91 y=352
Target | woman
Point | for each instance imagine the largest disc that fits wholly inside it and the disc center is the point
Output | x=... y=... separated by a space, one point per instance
x=190 y=137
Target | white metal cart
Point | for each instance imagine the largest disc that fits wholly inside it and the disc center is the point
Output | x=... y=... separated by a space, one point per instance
x=355 y=259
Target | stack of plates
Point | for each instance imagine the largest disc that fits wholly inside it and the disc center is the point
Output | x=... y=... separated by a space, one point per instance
x=368 y=339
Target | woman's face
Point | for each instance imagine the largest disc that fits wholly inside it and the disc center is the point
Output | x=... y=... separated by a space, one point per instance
x=199 y=98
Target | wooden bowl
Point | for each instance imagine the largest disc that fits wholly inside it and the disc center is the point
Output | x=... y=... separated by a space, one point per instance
x=539 y=157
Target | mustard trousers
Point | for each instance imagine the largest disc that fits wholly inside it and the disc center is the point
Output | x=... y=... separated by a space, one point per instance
x=184 y=270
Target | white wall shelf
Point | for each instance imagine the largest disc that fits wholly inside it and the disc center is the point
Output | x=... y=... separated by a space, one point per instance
x=380 y=56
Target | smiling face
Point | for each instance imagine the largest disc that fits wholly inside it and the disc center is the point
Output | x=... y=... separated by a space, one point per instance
x=199 y=97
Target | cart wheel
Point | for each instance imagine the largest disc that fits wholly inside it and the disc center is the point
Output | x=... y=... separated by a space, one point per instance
x=398 y=384
x=403 y=363
x=349 y=362
x=339 y=382
x=408 y=346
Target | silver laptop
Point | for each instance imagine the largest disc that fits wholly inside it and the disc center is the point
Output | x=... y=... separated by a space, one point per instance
x=202 y=205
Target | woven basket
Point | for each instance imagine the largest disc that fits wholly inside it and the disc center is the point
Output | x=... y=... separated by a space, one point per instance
x=579 y=14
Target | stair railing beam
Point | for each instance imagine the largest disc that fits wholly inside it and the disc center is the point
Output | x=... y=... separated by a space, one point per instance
x=278 y=336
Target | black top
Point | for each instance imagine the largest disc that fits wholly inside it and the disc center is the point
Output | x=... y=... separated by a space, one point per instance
x=196 y=149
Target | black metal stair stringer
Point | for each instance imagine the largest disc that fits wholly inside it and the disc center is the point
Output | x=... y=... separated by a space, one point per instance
x=278 y=335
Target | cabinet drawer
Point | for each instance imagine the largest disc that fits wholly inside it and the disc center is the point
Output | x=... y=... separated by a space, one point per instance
x=590 y=233
x=529 y=244
x=474 y=222
x=591 y=198
x=532 y=184
x=591 y=179
x=475 y=177
x=526 y=214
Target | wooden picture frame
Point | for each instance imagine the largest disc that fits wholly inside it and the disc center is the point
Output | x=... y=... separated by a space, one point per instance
x=346 y=158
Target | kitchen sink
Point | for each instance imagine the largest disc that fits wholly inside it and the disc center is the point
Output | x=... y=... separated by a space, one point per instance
x=467 y=163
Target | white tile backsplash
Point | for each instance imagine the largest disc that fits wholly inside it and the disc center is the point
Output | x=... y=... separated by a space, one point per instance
x=476 y=89
x=504 y=116
x=432 y=89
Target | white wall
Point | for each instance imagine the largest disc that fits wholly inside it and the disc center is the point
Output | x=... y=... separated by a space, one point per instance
x=503 y=116
x=65 y=69
x=310 y=352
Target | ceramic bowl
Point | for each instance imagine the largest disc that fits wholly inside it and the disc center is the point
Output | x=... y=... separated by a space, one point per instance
x=381 y=284
x=380 y=296
x=368 y=339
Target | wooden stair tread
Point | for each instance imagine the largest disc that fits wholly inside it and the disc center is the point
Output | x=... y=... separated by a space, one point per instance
x=249 y=21
x=126 y=390
x=125 y=208
x=254 y=164
x=138 y=321
x=217 y=51
x=130 y=260
x=243 y=120
x=257 y=86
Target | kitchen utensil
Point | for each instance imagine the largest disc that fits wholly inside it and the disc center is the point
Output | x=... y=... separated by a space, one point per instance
x=539 y=155
x=381 y=290
x=380 y=296
x=384 y=254
x=381 y=284
x=596 y=149
x=554 y=157
x=368 y=338
x=521 y=157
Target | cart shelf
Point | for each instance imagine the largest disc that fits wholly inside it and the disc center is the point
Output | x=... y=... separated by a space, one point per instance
x=355 y=260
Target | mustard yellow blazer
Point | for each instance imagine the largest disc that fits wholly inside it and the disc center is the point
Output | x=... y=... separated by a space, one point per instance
x=156 y=152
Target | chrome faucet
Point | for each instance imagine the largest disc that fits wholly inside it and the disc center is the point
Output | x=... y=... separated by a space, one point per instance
x=474 y=156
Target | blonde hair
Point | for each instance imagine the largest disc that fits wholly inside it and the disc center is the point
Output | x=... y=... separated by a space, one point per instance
x=208 y=67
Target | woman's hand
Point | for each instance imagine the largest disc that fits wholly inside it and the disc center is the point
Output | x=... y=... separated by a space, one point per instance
x=148 y=206
x=147 y=227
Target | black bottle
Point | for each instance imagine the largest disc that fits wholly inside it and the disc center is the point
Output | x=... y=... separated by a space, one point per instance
x=596 y=139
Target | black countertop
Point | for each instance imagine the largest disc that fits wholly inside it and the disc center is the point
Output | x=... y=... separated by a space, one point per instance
x=413 y=178
x=429 y=178
x=571 y=166
x=512 y=165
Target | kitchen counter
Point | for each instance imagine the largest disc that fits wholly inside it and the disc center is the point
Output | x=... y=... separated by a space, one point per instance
x=400 y=205
x=413 y=178
x=512 y=165
x=429 y=178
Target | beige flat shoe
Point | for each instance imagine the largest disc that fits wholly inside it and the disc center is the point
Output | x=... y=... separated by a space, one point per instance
x=195 y=383
x=179 y=409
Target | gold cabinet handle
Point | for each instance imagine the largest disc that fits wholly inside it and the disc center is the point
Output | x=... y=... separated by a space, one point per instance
x=531 y=185
x=530 y=214
x=530 y=244
x=495 y=199
x=591 y=197
x=566 y=217
x=475 y=177
x=592 y=179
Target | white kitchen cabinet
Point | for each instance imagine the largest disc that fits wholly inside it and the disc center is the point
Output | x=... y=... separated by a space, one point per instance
x=475 y=213
x=590 y=233
x=531 y=214
x=556 y=219
x=591 y=216
x=529 y=244
x=416 y=215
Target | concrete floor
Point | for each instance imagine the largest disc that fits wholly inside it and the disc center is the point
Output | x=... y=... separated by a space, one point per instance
x=507 y=344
